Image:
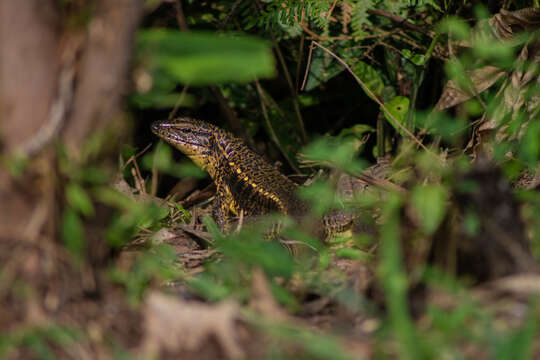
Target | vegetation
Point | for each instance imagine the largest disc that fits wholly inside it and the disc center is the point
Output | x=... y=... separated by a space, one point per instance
x=107 y=246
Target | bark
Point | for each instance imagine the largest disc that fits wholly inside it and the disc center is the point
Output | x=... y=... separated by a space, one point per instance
x=104 y=66
x=28 y=68
x=55 y=73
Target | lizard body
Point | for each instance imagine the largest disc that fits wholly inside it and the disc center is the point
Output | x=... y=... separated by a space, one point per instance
x=244 y=180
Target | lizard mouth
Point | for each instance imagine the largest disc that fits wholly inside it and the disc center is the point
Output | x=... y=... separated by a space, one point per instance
x=175 y=135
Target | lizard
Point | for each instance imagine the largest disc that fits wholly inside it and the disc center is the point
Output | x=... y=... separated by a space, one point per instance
x=245 y=181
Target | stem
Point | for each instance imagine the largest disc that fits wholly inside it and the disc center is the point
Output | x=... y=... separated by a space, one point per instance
x=271 y=129
x=418 y=80
x=381 y=146
x=296 y=104
x=376 y=99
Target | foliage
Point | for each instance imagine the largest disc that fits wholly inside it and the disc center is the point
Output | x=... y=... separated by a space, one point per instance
x=37 y=340
x=390 y=61
x=200 y=59
x=392 y=64
x=419 y=95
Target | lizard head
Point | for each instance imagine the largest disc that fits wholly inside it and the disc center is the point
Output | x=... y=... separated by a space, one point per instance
x=195 y=138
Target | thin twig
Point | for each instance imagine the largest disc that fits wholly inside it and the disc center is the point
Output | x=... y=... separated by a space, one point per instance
x=289 y=81
x=229 y=14
x=401 y=21
x=133 y=157
x=203 y=235
x=300 y=53
x=236 y=125
x=178 y=102
x=240 y=221
x=375 y=98
x=307 y=66
x=380 y=183
x=308 y=30
x=299 y=62
x=271 y=129
x=331 y=10
x=138 y=184
x=155 y=174
x=180 y=18
x=381 y=143
x=296 y=103
x=419 y=79
x=139 y=177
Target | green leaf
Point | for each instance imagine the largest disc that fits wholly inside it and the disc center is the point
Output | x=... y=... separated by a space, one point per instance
x=429 y=202
x=160 y=264
x=189 y=169
x=199 y=58
x=73 y=233
x=529 y=146
x=329 y=152
x=250 y=248
x=16 y=165
x=491 y=49
x=209 y=289
x=186 y=213
x=387 y=148
x=370 y=77
x=456 y=27
x=78 y=199
x=123 y=227
x=162 y=159
x=212 y=228
x=360 y=18
x=95 y=175
x=416 y=59
x=320 y=195
x=471 y=223
x=155 y=214
x=473 y=108
x=398 y=108
x=519 y=343
x=349 y=253
x=432 y=3
x=358 y=131
x=322 y=69
x=392 y=276
x=439 y=123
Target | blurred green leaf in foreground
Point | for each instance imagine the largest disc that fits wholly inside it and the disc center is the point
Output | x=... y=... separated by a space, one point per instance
x=199 y=58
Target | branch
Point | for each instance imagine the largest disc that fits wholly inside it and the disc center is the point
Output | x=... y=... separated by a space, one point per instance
x=401 y=21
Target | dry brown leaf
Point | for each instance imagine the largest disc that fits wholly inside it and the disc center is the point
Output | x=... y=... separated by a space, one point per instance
x=504 y=25
x=523 y=285
x=507 y=23
x=172 y=324
x=348 y=186
x=262 y=300
x=529 y=179
x=163 y=235
x=481 y=80
x=514 y=95
x=346 y=15
x=513 y=92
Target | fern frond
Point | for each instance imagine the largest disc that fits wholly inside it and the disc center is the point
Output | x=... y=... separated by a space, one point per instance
x=285 y=16
x=360 y=17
